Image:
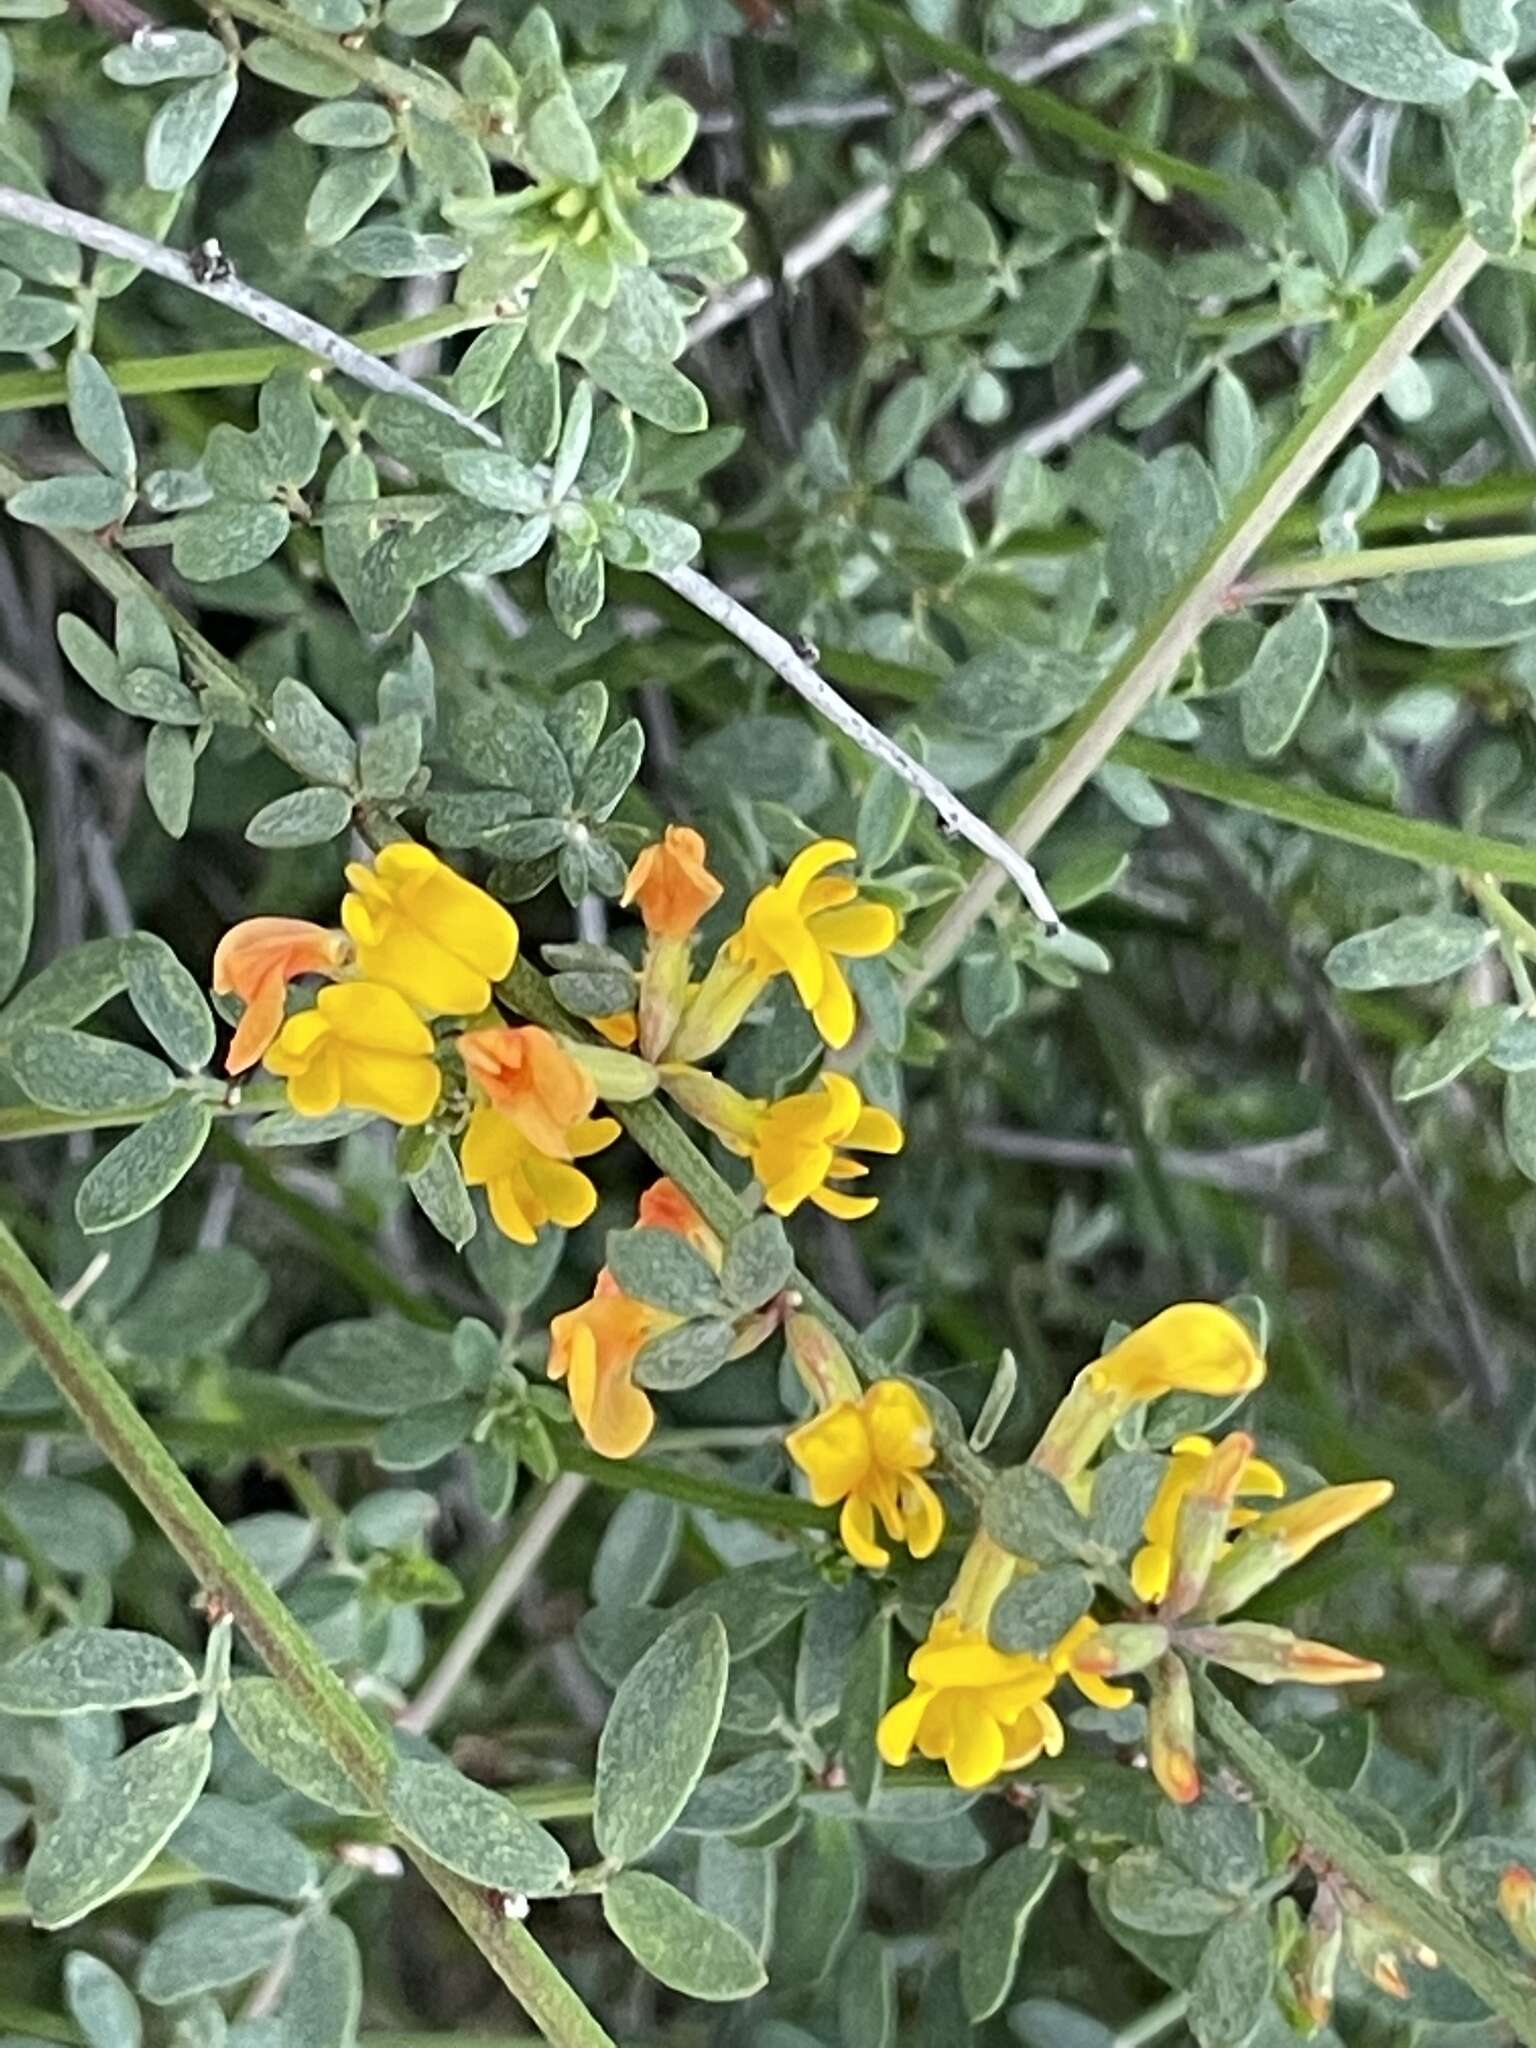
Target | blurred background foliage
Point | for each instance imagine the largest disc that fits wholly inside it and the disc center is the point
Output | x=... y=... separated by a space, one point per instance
x=956 y=381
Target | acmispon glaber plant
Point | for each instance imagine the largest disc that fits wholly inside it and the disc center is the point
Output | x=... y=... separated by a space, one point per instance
x=411 y=1024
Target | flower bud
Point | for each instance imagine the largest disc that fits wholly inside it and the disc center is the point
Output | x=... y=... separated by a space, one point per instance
x=1283 y=1537
x=1273 y=1656
x=823 y=1365
x=1517 y=1903
x=1205 y=1514
x=1121 y=1648
x=1171 y=1731
x=664 y=978
x=1312 y=1967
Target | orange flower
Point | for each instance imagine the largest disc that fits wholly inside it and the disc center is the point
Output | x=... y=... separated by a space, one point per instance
x=672 y=885
x=526 y=1074
x=594 y=1347
x=256 y=961
x=664 y=1206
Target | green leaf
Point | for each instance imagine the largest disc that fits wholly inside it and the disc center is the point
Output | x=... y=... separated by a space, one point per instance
x=1124 y=1488
x=1230 y=1992
x=244 y=1847
x=1028 y=1513
x=560 y=144
x=308 y=817
x=323 y=2003
x=171 y=53
x=28 y=322
x=611 y=770
x=72 y=502
x=79 y=1670
x=81 y=1075
x=170 y=1004
x=1280 y=680
x=310 y=737
x=226 y=539
x=1421 y=1069
x=684 y=1357
x=492 y=477
x=100 y=2003
x=742 y=1796
x=658 y=1737
x=866 y=1995
x=1487 y=134
x=1166 y=518
x=438 y=1185
x=18 y=885
x=637 y=1551
x=279 y=1737
x=194 y=1306
x=138 y=1174
x=1489 y=605
x=1381 y=47
x=478 y=1833
x=1039 y=1607
x=389 y=251
x=117 y=1822
x=659 y=1267
x=372 y=1365
x=819 y=1897
x=1147 y=1890
x=96 y=414
x=759 y=1263
x=75 y=1527
x=211 y=1950
x=346 y=124
x=1409 y=952
x=573 y=586
x=1520 y=1120
x=863 y=1703
x=1219 y=1840
x=184 y=130
x=1016 y=691
x=170 y=778
x=677 y=1942
x=349 y=188
x=997 y=1917
x=1232 y=432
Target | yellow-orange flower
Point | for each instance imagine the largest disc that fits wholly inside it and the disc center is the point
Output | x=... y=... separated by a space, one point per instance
x=870 y=1454
x=664 y=1206
x=360 y=1047
x=974 y=1709
x=793 y=1146
x=422 y=929
x=620 y=1029
x=525 y=1073
x=525 y=1186
x=255 y=961
x=672 y=884
x=1153 y=1563
x=803 y=925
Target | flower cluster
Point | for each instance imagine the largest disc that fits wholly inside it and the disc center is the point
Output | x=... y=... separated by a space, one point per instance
x=411 y=1023
x=980 y=1702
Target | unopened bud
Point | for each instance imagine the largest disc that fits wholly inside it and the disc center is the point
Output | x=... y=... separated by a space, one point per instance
x=663 y=991
x=1205 y=1514
x=1120 y=1648
x=823 y=1365
x=1283 y=1537
x=1517 y=1903
x=1313 y=1965
x=1171 y=1731
x=1273 y=1656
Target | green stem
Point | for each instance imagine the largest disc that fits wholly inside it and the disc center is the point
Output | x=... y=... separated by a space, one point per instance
x=224 y=369
x=1241 y=197
x=1171 y=633
x=27 y=1121
x=358 y=1747
x=1412 y=839
x=1287 y=1791
x=1322 y=572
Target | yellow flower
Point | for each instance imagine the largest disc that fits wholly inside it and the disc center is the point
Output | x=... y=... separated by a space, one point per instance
x=1193 y=1347
x=870 y=1454
x=526 y=1187
x=975 y=1709
x=1153 y=1563
x=255 y=961
x=360 y=1047
x=594 y=1347
x=421 y=928
x=801 y=926
x=672 y=884
x=620 y=1029
x=793 y=1146
x=664 y=1206
x=531 y=1079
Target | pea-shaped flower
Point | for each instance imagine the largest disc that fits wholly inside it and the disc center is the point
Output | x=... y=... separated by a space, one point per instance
x=255 y=961
x=527 y=1187
x=804 y=925
x=871 y=1454
x=360 y=1047
x=422 y=929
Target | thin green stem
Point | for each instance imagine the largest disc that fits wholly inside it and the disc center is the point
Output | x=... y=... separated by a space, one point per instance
x=1172 y=631
x=25 y=1120
x=1288 y=1792
x=225 y=369
x=1323 y=572
x=1419 y=840
x=356 y=1744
